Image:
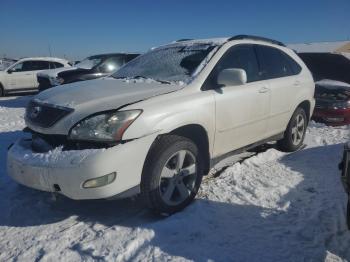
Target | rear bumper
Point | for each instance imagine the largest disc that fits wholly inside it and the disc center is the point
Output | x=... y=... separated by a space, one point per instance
x=70 y=169
x=332 y=117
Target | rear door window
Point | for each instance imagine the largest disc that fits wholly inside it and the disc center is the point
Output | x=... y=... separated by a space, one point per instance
x=274 y=63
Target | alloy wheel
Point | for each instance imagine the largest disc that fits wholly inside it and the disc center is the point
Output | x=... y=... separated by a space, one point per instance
x=178 y=177
x=298 y=129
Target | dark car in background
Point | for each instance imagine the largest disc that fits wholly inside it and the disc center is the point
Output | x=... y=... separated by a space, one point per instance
x=332 y=93
x=344 y=166
x=90 y=68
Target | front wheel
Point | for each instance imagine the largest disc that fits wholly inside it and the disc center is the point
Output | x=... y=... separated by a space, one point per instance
x=295 y=133
x=172 y=174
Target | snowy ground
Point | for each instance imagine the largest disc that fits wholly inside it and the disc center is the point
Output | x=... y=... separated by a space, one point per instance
x=270 y=207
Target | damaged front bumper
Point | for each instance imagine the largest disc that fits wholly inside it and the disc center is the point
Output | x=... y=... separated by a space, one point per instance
x=66 y=171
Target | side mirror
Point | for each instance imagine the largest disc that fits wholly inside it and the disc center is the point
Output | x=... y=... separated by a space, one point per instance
x=10 y=71
x=232 y=77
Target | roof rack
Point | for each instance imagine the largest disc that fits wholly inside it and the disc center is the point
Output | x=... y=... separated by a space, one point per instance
x=253 y=37
x=184 y=39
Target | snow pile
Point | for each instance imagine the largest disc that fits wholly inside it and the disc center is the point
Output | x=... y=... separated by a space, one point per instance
x=270 y=207
x=53 y=158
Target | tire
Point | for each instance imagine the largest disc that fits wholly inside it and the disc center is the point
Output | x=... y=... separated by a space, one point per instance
x=295 y=133
x=2 y=91
x=167 y=186
x=348 y=213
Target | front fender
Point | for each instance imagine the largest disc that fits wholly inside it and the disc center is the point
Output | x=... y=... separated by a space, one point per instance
x=166 y=117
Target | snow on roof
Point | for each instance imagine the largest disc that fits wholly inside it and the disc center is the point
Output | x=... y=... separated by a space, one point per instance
x=217 y=41
x=321 y=47
x=44 y=58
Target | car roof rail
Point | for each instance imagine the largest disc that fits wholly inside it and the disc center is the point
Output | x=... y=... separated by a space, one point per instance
x=184 y=39
x=254 y=37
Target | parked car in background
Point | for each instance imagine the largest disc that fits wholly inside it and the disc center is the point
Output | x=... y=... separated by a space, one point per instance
x=332 y=75
x=332 y=102
x=90 y=68
x=163 y=120
x=21 y=76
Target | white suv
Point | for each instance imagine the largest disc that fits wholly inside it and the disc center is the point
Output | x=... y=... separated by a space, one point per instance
x=21 y=76
x=158 y=124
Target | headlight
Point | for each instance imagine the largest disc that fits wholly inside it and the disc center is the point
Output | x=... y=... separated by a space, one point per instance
x=106 y=127
x=56 y=81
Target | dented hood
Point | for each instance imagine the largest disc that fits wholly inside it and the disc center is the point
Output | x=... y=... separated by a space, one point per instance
x=90 y=97
x=103 y=94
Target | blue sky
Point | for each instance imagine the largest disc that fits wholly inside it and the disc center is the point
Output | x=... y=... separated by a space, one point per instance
x=80 y=28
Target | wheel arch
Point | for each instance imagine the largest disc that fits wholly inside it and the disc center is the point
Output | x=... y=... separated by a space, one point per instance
x=306 y=105
x=195 y=133
x=199 y=136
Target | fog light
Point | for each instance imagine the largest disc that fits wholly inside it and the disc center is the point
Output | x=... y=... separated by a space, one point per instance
x=100 y=181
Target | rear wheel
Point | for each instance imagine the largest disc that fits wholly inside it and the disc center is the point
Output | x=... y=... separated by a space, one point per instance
x=295 y=133
x=2 y=91
x=172 y=174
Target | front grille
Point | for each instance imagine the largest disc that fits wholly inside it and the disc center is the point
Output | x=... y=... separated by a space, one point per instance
x=45 y=115
x=44 y=83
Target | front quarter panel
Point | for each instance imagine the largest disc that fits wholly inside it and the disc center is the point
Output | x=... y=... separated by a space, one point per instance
x=166 y=113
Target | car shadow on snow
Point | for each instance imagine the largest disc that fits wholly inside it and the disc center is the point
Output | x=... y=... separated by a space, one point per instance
x=15 y=102
x=208 y=229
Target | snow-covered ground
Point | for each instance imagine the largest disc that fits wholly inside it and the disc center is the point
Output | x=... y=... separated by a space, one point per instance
x=270 y=207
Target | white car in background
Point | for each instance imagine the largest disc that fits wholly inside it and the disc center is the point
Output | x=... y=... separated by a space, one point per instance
x=160 y=122
x=21 y=76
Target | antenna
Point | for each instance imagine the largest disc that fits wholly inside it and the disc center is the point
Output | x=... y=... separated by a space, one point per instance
x=50 y=50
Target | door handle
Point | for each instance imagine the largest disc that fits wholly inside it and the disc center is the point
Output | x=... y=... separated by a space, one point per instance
x=28 y=74
x=264 y=89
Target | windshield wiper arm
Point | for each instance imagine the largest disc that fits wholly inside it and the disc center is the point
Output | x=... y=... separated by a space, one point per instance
x=157 y=80
x=143 y=77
